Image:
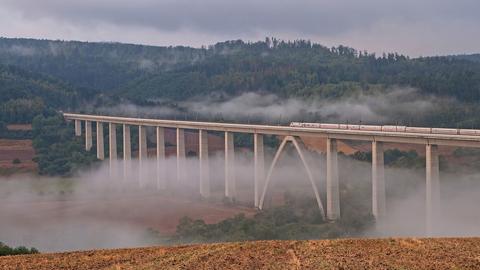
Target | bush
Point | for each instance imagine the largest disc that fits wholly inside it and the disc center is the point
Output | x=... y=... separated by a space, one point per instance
x=6 y=250
x=16 y=161
x=298 y=219
x=58 y=151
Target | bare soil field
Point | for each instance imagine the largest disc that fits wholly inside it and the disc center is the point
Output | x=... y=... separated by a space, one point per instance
x=407 y=253
x=19 y=127
x=13 y=149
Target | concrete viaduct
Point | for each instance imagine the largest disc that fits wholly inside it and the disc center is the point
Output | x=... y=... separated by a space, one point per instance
x=290 y=135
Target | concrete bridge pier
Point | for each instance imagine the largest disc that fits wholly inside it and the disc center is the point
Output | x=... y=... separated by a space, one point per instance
x=78 y=128
x=378 y=181
x=112 y=148
x=88 y=135
x=204 y=163
x=432 y=186
x=142 y=153
x=230 y=185
x=259 y=166
x=181 y=156
x=100 y=143
x=161 y=176
x=333 y=192
x=127 y=152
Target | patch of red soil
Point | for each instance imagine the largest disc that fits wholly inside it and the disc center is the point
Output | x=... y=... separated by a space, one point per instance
x=22 y=127
x=13 y=149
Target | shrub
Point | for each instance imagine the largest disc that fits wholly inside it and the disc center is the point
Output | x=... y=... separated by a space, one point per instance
x=6 y=250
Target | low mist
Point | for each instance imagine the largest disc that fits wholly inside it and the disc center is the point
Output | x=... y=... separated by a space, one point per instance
x=400 y=104
x=101 y=209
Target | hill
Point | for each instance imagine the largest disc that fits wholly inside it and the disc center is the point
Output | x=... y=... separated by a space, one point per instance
x=95 y=66
x=471 y=57
x=24 y=94
x=286 y=68
x=408 y=253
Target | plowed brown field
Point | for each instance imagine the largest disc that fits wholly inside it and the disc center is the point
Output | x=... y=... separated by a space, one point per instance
x=445 y=253
x=13 y=149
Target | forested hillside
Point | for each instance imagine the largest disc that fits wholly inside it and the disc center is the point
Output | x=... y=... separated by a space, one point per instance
x=23 y=95
x=68 y=75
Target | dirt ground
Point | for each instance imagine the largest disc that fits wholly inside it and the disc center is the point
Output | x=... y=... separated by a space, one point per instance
x=19 y=127
x=408 y=253
x=13 y=149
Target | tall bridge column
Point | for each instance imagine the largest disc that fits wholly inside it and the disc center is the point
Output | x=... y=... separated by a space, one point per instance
x=333 y=193
x=180 y=155
x=100 y=144
x=78 y=128
x=259 y=165
x=142 y=153
x=161 y=177
x=432 y=185
x=230 y=185
x=204 y=163
x=127 y=151
x=112 y=147
x=142 y=143
x=88 y=135
x=378 y=181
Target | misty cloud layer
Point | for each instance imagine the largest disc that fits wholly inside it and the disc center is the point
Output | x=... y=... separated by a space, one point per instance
x=412 y=27
x=370 y=108
x=101 y=210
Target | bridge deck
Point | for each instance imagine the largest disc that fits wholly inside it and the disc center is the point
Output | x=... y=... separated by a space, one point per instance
x=381 y=136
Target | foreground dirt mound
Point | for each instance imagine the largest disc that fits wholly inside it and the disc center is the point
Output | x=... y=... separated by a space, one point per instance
x=447 y=253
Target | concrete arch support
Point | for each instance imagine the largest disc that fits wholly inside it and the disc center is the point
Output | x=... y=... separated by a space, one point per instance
x=204 y=163
x=100 y=143
x=333 y=193
x=88 y=135
x=161 y=175
x=142 y=143
x=112 y=147
x=378 y=181
x=181 y=156
x=299 y=149
x=127 y=151
x=432 y=185
x=112 y=141
x=78 y=128
x=259 y=166
x=230 y=185
x=142 y=153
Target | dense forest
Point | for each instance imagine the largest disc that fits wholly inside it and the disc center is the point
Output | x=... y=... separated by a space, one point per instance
x=41 y=74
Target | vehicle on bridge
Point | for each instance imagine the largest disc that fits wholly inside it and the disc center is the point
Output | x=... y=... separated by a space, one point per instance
x=389 y=128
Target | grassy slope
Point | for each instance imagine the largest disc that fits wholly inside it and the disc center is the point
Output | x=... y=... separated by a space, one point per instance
x=408 y=253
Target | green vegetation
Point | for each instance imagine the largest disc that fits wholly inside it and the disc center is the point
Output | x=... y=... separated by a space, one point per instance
x=42 y=74
x=394 y=158
x=6 y=250
x=299 y=218
x=58 y=151
x=23 y=95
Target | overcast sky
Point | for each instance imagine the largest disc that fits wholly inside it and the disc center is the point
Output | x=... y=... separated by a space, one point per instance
x=413 y=27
